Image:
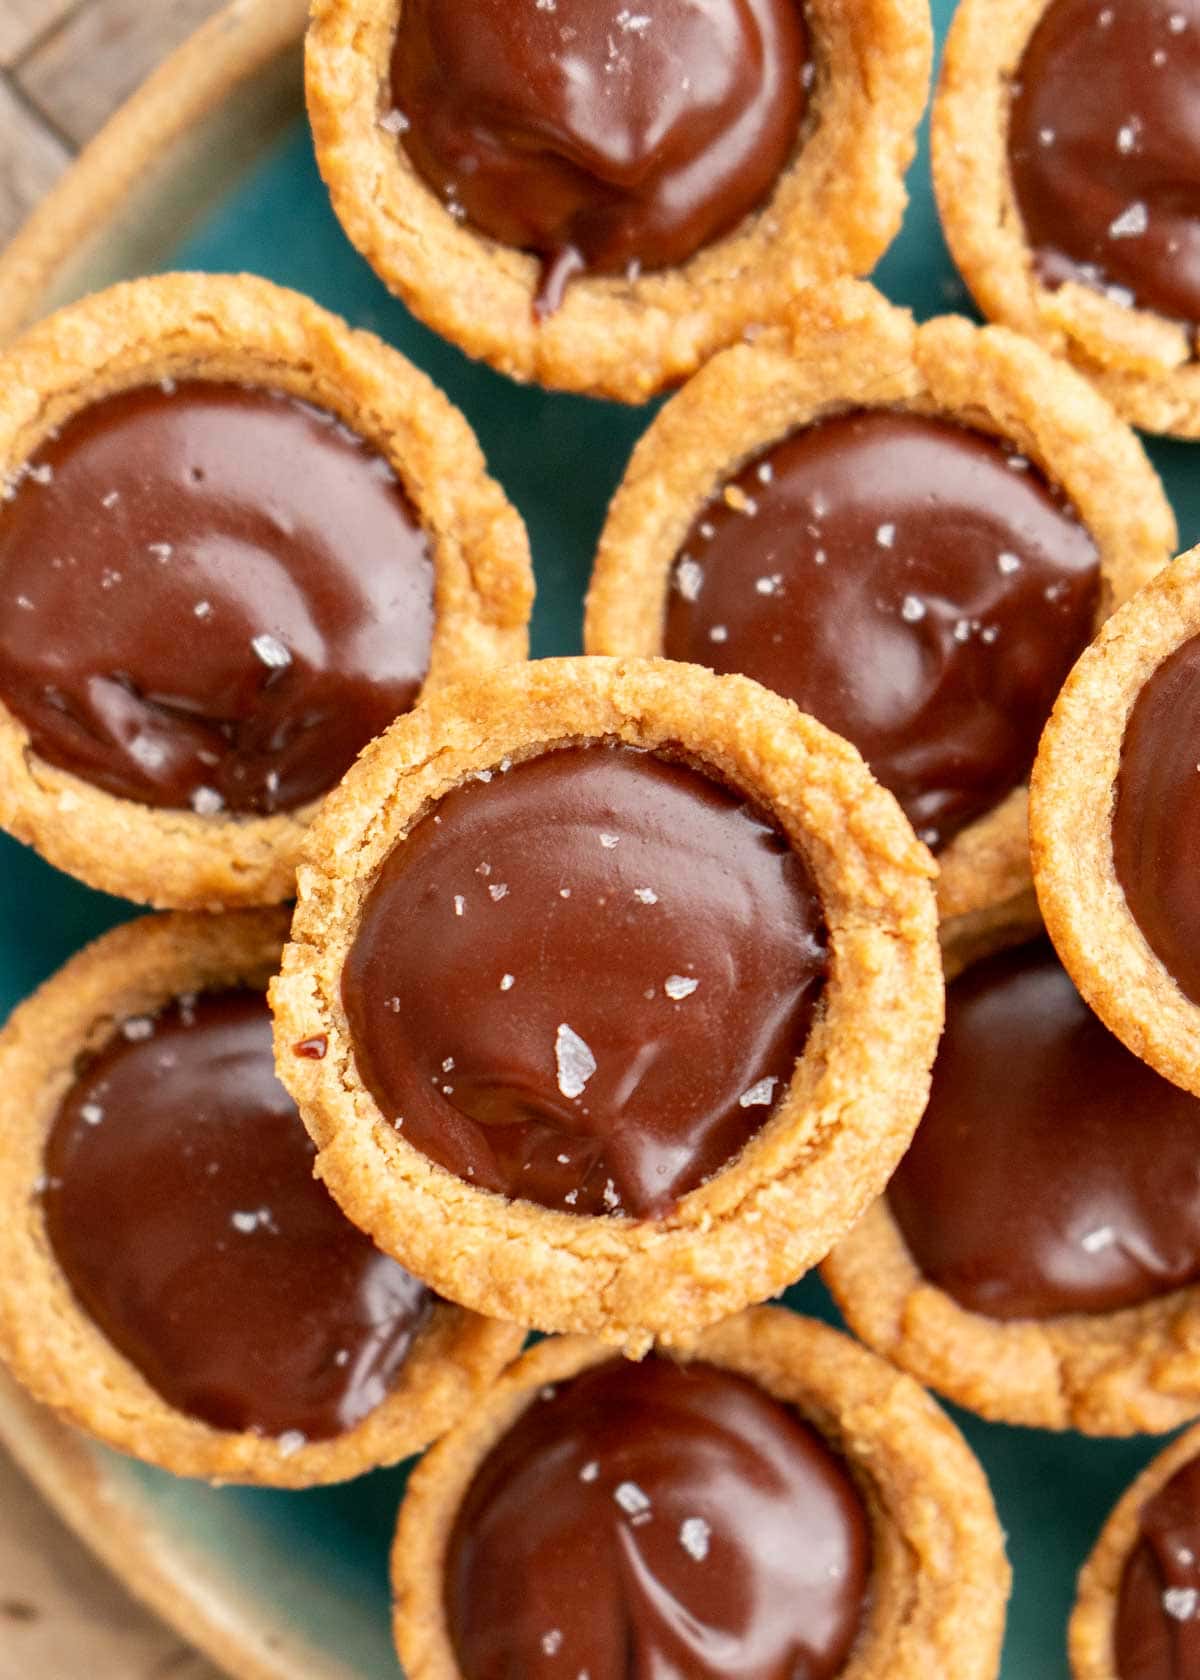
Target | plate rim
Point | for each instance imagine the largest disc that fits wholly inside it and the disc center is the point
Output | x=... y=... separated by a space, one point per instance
x=146 y=144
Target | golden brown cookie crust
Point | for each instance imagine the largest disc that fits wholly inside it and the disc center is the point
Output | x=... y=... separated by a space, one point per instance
x=1071 y=810
x=858 y=1088
x=1092 y=1629
x=242 y=329
x=940 y=1578
x=51 y=1344
x=846 y=347
x=1115 y=1373
x=834 y=210
x=1145 y=364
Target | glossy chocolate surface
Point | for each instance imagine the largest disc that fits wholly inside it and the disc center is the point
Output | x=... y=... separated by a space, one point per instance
x=1104 y=147
x=1053 y=1172
x=1157 y=1631
x=181 y=1204
x=586 y=982
x=210 y=596
x=595 y=134
x=1156 y=815
x=912 y=584
x=658 y=1520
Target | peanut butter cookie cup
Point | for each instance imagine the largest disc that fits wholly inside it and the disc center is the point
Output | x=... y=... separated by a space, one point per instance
x=1066 y=163
x=1036 y=1256
x=611 y=995
x=173 y=1279
x=1115 y=804
x=1137 y=1616
x=781 y=1503
x=596 y=197
x=236 y=539
x=911 y=531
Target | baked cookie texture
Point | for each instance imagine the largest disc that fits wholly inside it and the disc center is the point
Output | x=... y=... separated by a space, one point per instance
x=1071 y=811
x=940 y=1578
x=247 y=331
x=1091 y=1631
x=1144 y=363
x=834 y=211
x=845 y=347
x=859 y=1085
x=50 y=1343
x=1127 y=1372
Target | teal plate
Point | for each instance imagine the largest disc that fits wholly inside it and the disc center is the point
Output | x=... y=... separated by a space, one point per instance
x=313 y=1566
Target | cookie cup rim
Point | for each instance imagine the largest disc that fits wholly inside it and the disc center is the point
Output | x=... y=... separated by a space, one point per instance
x=247 y=331
x=835 y=208
x=852 y=1103
x=1073 y=792
x=846 y=347
x=1131 y=1370
x=939 y=1575
x=48 y=1340
x=1146 y=364
x=1091 y=1631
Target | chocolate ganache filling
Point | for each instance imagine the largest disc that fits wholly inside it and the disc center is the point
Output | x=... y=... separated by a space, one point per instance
x=586 y=981
x=918 y=587
x=662 y=1520
x=1156 y=815
x=1052 y=1172
x=1104 y=148
x=599 y=135
x=210 y=596
x=1157 y=1631
x=181 y=1205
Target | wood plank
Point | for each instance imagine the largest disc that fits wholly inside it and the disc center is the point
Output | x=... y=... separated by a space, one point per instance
x=62 y=1614
x=85 y=68
x=22 y=22
x=31 y=160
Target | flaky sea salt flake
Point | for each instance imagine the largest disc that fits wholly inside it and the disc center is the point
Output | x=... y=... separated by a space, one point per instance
x=1131 y=223
x=688 y=579
x=1180 y=1603
x=574 y=1061
x=271 y=651
x=760 y=1094
x=694 y=1535
x=206 y=802
x=631 y=1499
x=678 y=986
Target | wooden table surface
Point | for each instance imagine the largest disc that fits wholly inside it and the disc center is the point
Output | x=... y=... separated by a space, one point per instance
x=65 y=65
